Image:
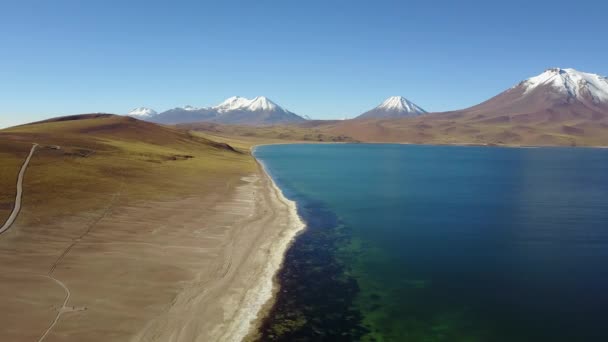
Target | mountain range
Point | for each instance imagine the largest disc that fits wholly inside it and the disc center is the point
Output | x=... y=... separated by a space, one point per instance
x=259 y=111
x=556 y=94
x=557 y=107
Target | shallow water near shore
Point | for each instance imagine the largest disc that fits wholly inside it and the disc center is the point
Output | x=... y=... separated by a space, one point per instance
x=442 y=243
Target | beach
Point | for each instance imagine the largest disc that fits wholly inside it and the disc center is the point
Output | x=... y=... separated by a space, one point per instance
x=227 y=306
x=194 y=268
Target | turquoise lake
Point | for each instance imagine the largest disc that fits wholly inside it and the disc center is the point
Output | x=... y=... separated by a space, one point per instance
x=442 y=243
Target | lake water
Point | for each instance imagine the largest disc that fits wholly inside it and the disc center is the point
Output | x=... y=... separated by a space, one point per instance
x=442 y=243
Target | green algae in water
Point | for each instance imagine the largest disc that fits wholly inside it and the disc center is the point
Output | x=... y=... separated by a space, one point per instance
x=317 y=293
x=387 y=319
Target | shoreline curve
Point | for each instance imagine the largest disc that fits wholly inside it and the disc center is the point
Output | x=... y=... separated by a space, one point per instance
x=262 y=294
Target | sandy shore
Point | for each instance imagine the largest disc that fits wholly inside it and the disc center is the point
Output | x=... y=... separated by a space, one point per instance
x=225 y=306
x=191 y=269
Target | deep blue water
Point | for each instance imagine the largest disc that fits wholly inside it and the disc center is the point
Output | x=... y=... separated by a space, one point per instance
x=443 y=243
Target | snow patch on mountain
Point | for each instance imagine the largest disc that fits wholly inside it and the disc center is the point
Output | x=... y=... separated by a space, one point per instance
x=189 y=108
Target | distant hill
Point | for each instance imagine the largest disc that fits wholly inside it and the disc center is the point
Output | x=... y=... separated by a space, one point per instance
x=259 y=111
x=266 y=134
x=98 y=128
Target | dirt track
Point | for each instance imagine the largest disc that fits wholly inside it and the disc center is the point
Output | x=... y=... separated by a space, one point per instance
x=17 y=207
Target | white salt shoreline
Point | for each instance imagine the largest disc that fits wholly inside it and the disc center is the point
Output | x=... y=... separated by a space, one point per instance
x=262 y=292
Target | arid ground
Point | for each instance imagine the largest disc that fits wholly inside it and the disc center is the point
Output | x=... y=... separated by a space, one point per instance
x=131 y=231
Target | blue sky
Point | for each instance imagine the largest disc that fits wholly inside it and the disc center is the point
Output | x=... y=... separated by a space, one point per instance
x=326 y=59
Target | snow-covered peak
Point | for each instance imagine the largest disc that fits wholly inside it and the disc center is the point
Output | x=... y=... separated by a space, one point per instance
x=142 y=112
x=261 y=103
x=189 y=108
x=401 y=105
x=232 y=103
x=571 y=83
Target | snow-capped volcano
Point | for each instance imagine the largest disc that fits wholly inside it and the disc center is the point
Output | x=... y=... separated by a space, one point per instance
x=571 y=84
x=233 y=110
x=393 y=107
x=142 y=112
x=257 y=111
x=400 y=104
x=556 y=95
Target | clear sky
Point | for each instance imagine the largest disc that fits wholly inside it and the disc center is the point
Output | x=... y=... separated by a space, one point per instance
x=326 y=59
